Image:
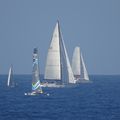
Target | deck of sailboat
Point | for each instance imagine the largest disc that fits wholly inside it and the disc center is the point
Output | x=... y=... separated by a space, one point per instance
x=36 y=93
x=79 y=81
x=52 y=85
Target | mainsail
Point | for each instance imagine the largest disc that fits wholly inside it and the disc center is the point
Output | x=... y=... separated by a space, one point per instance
x=36 y=87
x=57 y=64
x=10 y=81
x=78 y=65
x=53 y=65
x=76 y=62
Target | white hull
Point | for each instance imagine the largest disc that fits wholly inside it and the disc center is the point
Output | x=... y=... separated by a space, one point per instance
x=36 y=93
x=31 y=94
x=78 y=81
x=51 y=85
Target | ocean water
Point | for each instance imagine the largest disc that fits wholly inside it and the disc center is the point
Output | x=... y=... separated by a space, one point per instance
x=99 y=100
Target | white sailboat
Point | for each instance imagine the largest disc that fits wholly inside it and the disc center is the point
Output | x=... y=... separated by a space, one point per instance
x=10 y=81
x=58 y=69
x=78 y=66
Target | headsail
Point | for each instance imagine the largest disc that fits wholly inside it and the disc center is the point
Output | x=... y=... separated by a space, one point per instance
x=10 y=81
x=84 y=74
x=36 y=87
x=69 y=73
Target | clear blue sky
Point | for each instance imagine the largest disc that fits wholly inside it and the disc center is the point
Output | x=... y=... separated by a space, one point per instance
x=94 y=25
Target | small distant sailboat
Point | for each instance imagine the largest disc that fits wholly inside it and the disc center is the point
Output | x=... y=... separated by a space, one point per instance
x=58 y=68
x=78 y=66
x=36 y=86
x=10 y=81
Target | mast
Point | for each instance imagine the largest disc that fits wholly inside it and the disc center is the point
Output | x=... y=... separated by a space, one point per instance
x=61 y=65
x=64 y=72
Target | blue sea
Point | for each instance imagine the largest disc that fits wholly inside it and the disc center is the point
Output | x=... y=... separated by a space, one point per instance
x=99 y=100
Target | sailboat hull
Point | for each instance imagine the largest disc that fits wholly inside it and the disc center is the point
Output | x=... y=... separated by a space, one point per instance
x=52 y=85
x=36 y=93
x=78 y=81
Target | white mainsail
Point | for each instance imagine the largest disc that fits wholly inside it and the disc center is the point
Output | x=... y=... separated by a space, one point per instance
x=78 y=65
x=76 y=62
x=53 y=67
x=10 y=81
x=57 y=64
